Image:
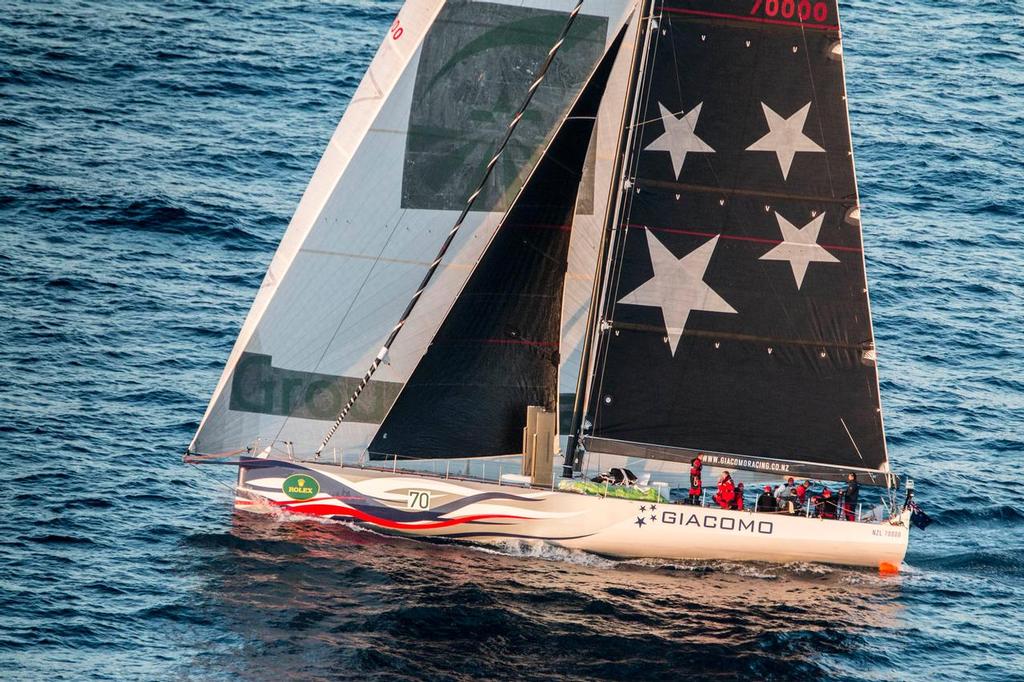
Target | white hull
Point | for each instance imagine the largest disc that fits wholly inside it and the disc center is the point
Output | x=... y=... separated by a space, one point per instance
x=432 y=506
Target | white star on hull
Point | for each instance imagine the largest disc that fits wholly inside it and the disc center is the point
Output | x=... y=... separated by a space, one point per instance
x=800 y=247
x=785 y=137
x=678 y=287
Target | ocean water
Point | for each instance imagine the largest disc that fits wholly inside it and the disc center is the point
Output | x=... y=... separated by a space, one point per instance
x=151 y=154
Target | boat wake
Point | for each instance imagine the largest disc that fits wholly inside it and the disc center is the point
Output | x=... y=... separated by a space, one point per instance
x=538 y=549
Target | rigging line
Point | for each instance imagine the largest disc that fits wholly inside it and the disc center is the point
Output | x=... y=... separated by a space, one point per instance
x=195 y=457
x=233 y=488
x=850 y=435
x=623 y=211
x=814 y=98
x=541 y=72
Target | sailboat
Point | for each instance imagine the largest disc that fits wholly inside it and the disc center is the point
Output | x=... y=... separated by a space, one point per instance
x=553 y=240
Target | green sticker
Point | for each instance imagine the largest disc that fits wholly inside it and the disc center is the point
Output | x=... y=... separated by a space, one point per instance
x=300 y=487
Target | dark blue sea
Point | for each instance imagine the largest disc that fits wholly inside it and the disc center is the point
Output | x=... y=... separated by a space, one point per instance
x=151 y=154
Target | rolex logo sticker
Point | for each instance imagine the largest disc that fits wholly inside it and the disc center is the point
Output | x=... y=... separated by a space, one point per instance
x=300 y=487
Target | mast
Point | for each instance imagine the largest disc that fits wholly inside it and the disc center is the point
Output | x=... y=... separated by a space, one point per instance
x=571 y=460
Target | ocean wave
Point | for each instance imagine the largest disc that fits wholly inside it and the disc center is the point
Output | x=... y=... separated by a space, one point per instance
x=158 y=215
x=230 y=541
x=54 y=539
x=1007 y=562
x=1001 y=515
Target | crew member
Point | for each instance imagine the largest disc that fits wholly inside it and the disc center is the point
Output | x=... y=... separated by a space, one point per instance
x=737 y=502
x=850 y=496
x=801 y=492
x=826 y=505
x=784 y=496
x=726 y=491
x=695 y=483
x=765 y=501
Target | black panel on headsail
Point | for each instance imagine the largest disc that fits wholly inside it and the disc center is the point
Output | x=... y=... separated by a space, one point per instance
x=497 y=350
x=736 y=316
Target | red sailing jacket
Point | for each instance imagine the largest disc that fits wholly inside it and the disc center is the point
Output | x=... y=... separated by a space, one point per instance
x=726 y=493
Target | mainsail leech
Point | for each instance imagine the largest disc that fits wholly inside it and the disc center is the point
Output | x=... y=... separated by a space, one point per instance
x=538 y=79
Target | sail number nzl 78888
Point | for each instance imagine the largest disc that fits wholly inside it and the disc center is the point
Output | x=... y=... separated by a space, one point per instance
x=885 y=533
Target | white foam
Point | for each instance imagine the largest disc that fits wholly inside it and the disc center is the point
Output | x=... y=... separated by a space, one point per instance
x=538 y=549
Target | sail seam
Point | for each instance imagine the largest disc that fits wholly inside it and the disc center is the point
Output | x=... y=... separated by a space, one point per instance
x=734 y=191
x=732 y=237
x=732 y=336
x=376 y=259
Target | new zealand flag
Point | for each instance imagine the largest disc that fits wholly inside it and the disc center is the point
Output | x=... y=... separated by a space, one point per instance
x=918 y=517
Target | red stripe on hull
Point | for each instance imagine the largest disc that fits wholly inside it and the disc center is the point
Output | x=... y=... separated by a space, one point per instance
x=332 y=510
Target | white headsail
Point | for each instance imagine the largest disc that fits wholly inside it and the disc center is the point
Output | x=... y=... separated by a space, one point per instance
x=415 y=135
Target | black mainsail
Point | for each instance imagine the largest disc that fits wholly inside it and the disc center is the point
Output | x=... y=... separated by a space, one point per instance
x=734 y=318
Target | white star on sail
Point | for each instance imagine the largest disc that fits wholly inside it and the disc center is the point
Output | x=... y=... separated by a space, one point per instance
x=785 y=137
x=800 y=247
x=678 y=287
x=679 y=137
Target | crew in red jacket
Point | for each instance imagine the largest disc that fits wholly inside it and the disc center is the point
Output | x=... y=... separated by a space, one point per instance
x=726 y=491
x=695 y=483
x=801 y=492
x=826 y=505
x=737 y=502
